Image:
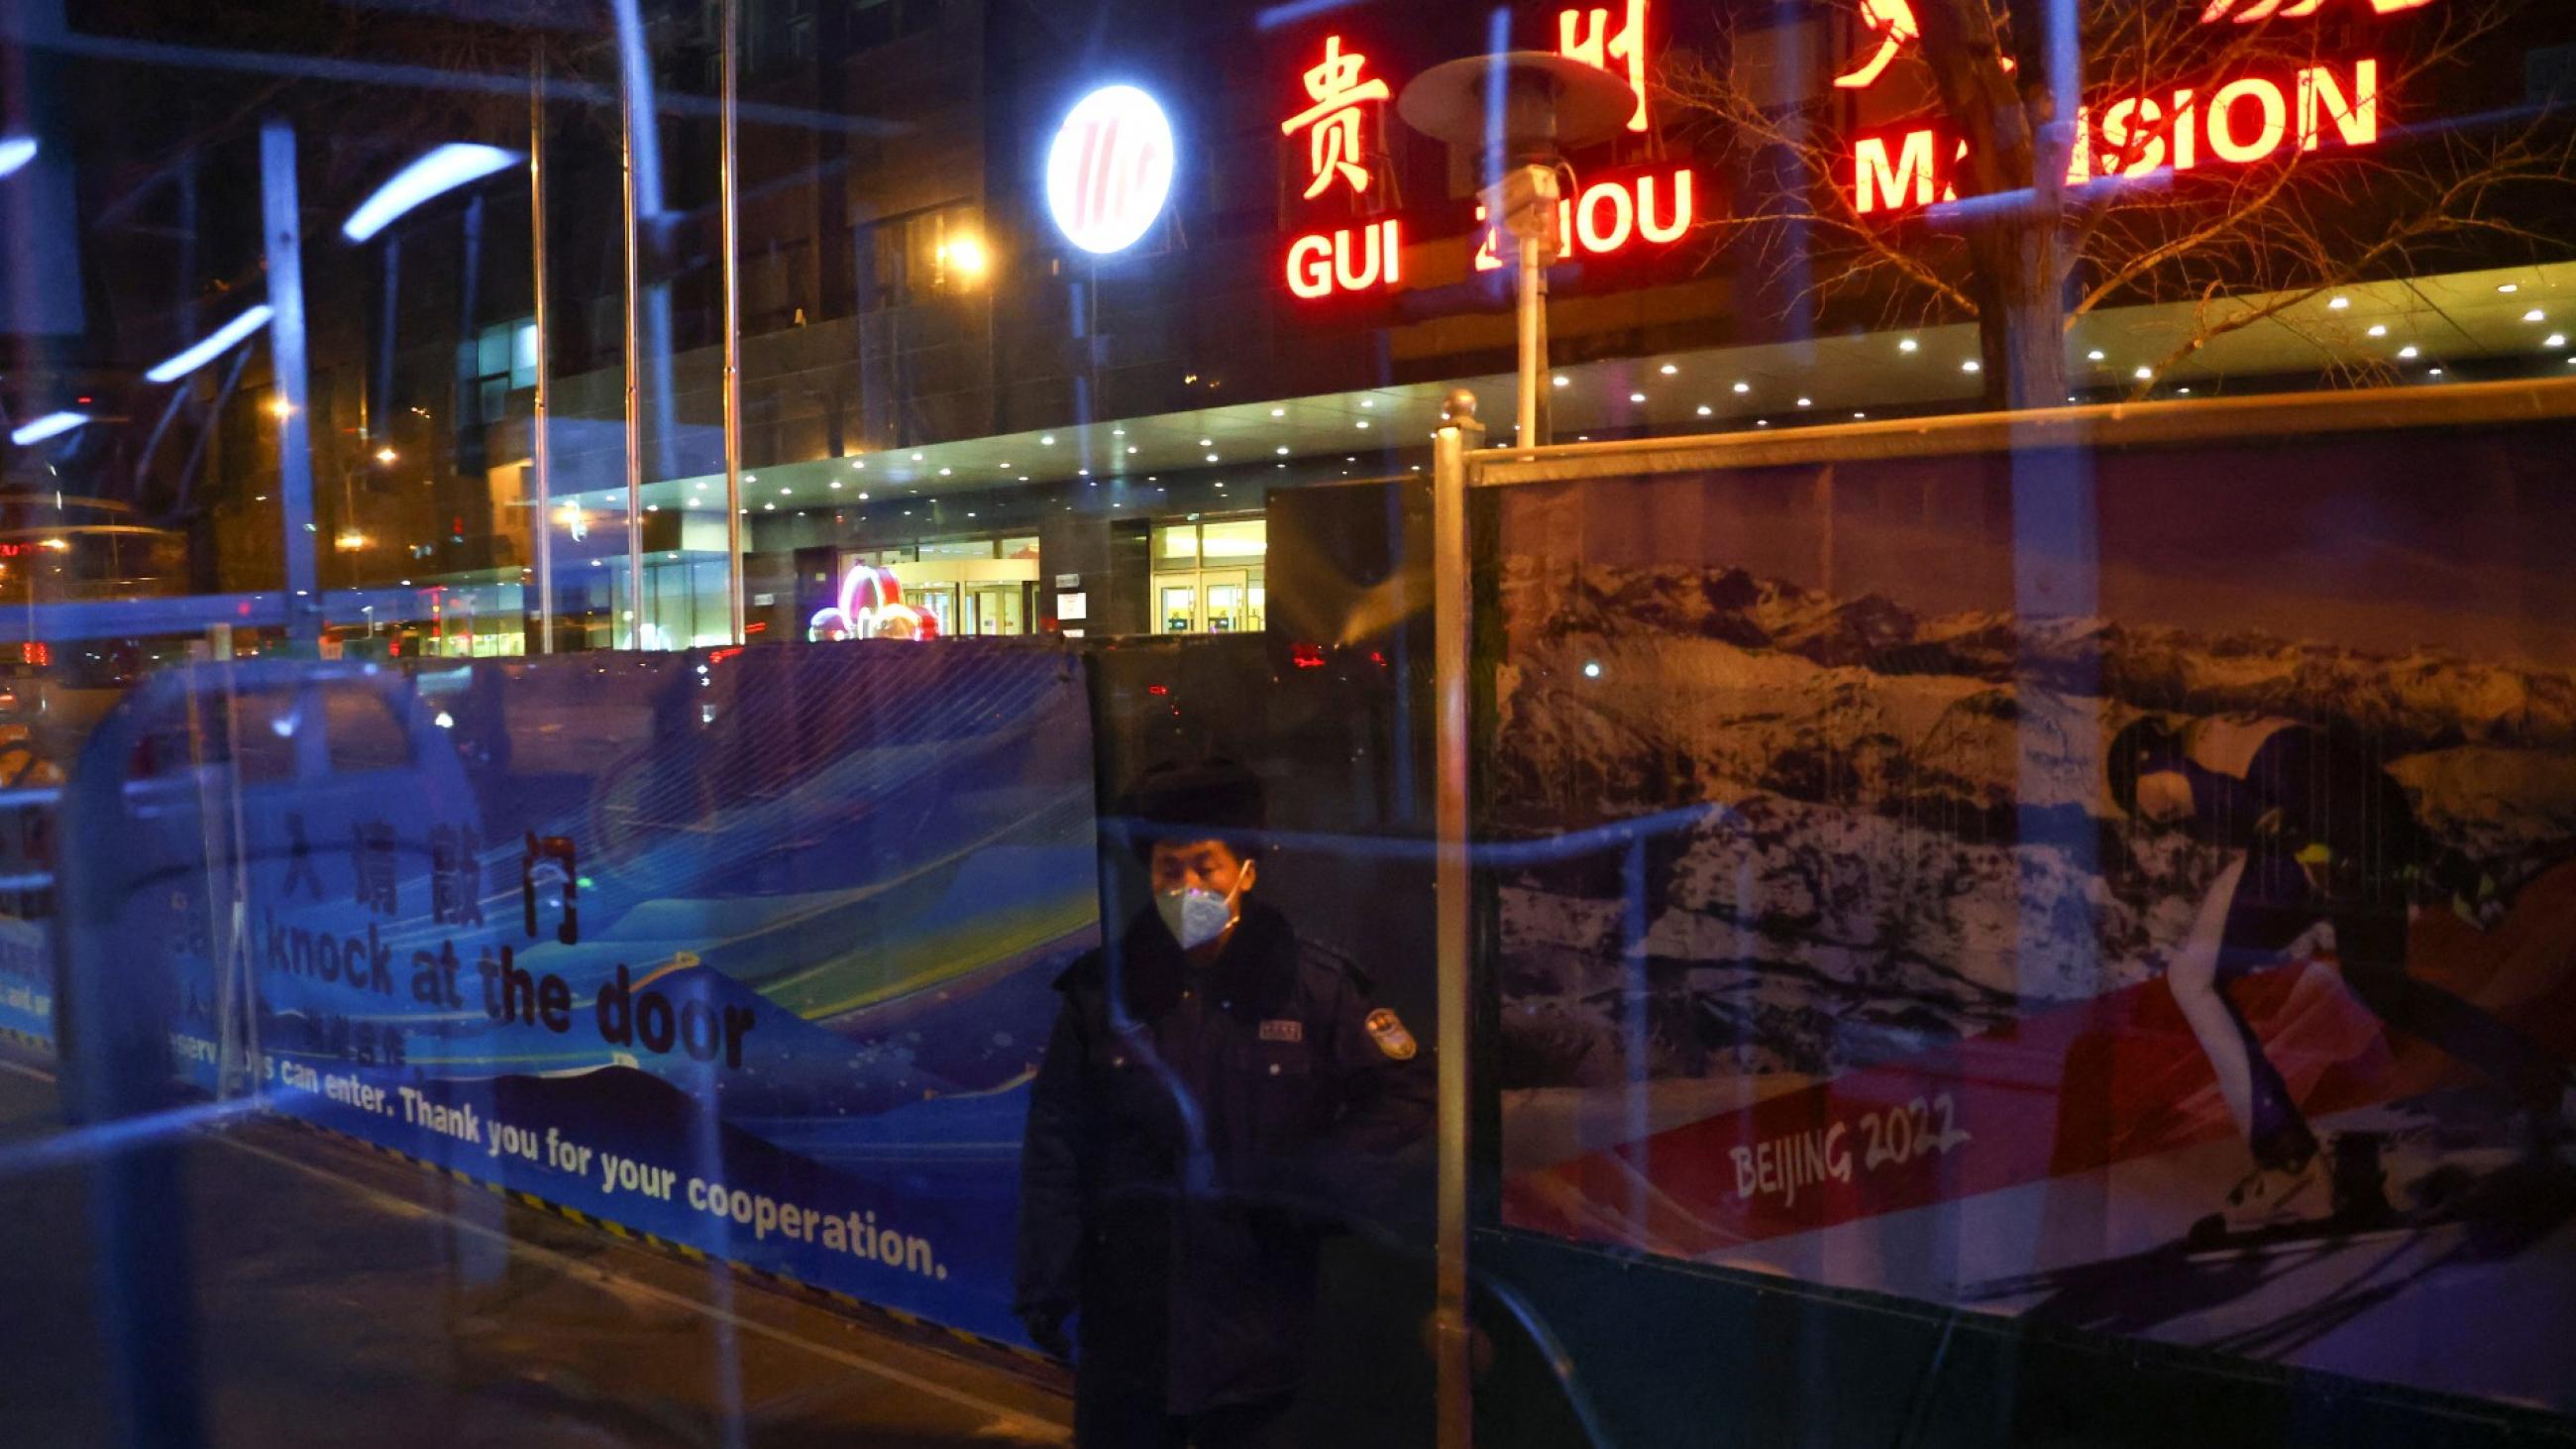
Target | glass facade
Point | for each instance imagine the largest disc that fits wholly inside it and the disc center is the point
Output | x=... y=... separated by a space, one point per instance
x=1287 y=723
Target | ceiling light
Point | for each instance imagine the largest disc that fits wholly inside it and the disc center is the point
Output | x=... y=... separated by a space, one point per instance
x=2338 y=304
x=2437 y=372
x=2410 y=351
x=51 y=425
x=1907 y=344
x=1368 y=402
x=1047 y=442
x=2535 y=315
x=1211 y=457
x=2378 y=329
x=916 y=457
x=1972 y=365
x=2510 y=288
x=2093 y=356
x=1283 y=450
x=1668 y=369
x=2554 y=339
x=1636 y=397
x=1561 y=380
x=443 y=169
x=189 y=359
x=2144 y=374
x=1279 y=412
x=1207 y=442
x=1806 y=402
x=1363 y=422
x=1705 y=410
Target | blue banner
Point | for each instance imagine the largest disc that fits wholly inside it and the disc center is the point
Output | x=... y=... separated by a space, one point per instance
x=747 y=950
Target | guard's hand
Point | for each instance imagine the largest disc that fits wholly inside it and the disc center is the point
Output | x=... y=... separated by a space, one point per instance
x=1046 y=1330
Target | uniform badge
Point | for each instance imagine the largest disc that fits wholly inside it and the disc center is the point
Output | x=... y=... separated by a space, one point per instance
x=1283 y=1029
x=1391 y=1037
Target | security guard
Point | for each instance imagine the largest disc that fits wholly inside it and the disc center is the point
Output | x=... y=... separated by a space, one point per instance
x=1217 y=1094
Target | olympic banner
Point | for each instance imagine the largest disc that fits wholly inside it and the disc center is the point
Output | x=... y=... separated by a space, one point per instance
x=751 y=951
x=2144 y=902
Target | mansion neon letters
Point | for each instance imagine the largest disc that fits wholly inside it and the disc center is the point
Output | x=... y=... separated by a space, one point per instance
x=2250 y=119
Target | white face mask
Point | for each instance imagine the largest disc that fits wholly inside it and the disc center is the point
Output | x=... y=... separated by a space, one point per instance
x=1196 y=917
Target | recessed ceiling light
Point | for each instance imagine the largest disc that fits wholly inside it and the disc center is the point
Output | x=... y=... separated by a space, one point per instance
x=2093 y=356
x=1907 y=344
x=2510 y=288
x=836 y=485
x=1207 y=442
x=1283 y=450
x=916 y=457
x=2410 y=351
x=1806 y=402
x=1279 y=412
x=863 y=498
x=2378 y=329
x=1860 y=415
x=1368 y=402
x=1636 y=397
x=1668 y=369
x=1761 y=422
x=2144 y=374
x=1047 y=442
x=943 y=472
x=1211 y=457
x=1363 y=422
x=2338 y=304
x=2554 y=339
x=1131 y=448
x=1705 y=410
x=1117 y=432
x=859 y=463
x=2535 y=315
x=1972 y=365
x=1561 y=380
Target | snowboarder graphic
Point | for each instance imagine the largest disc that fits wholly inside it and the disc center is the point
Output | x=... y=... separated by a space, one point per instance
x=2321 y=834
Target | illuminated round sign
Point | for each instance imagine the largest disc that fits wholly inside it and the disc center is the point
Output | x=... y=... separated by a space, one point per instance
x=1110 y=169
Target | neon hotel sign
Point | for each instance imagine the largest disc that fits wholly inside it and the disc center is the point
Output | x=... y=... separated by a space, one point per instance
x=2237 y=121
x=1606 y=218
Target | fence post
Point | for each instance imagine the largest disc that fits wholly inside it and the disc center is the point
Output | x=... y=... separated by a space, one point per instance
x=1451 y=601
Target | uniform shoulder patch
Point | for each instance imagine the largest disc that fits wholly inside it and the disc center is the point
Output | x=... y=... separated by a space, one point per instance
x=1387 y=1030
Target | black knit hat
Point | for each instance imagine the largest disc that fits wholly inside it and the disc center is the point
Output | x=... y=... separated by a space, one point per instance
x=1211 y=799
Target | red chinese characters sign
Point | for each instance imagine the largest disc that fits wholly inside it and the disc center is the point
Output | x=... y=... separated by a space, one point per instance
x=1339 y=88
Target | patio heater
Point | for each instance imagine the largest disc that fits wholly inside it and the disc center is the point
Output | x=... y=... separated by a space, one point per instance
x=1521 y=110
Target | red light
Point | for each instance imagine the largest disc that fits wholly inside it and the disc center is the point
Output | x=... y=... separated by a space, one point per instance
x=1157 y=689
x=84 y=399
x=1306 y=656
x=1378 y=658
x=721 y=655
x=756 y=626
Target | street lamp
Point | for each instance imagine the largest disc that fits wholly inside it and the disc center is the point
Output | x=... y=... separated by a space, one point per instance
x=1521 y=109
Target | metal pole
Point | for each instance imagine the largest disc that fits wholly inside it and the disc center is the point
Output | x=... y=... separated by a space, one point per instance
x=730 y=185
x=542 y=453
x=1533 y=329
x=634 y=412
x=284 y=230
x=1453 y=1363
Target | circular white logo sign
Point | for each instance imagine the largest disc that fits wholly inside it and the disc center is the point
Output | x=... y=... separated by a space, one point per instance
x=1110 y=169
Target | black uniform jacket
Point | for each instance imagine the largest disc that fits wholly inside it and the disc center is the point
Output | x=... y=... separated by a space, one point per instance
x=1193 y=1132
